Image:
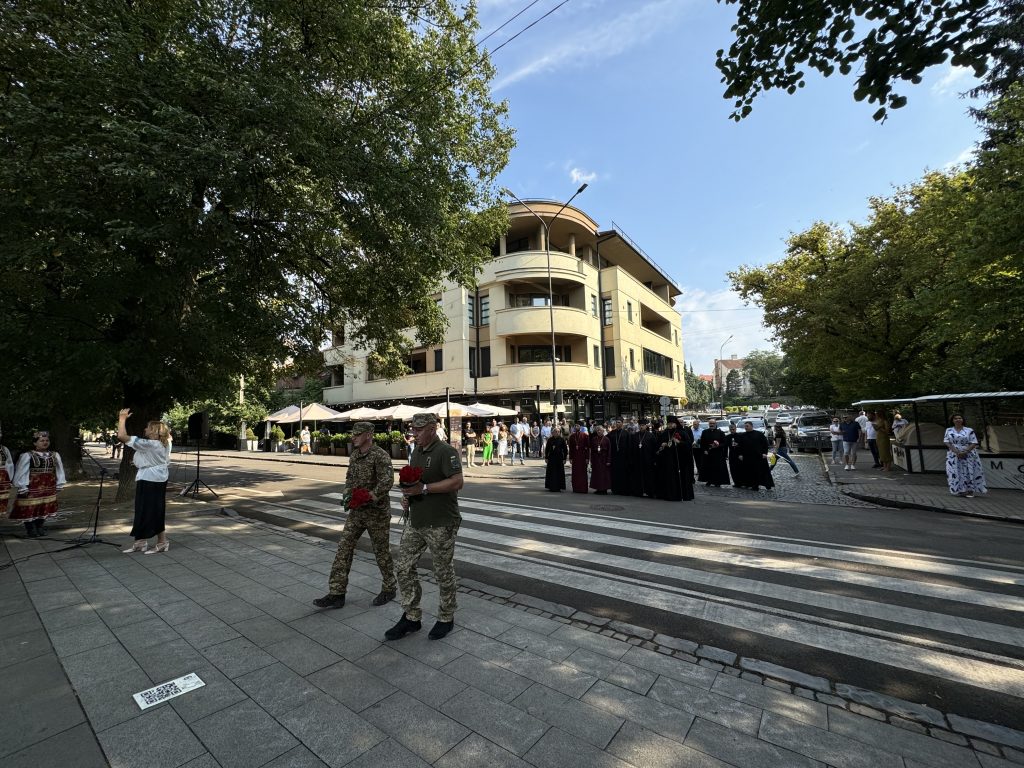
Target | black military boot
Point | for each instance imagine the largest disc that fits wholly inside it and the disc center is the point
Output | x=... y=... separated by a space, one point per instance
x=41 y=527
x=330 y=601
x=441 y=628
x=402 y=628
x=30 y=529
x=384 y=597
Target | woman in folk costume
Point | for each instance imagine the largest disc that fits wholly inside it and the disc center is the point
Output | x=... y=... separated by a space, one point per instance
x=152 y=459
x=6 y=479
x=579 y=457
x=38 y=478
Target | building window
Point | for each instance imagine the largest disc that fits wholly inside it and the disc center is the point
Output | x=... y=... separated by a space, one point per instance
x=485 y=310
x=597 y=356
x=606 y=309
x=536 y=353
x=677 y=336
x=609 y=361
x=438 y=359
x=629 y=311
x=472 y=363
x=417 y=362
x=522 y=244
x=632 y=359
x=485 y=361
x=471 y=310
x=538 y=300
x=593 y=304
x=657 y=364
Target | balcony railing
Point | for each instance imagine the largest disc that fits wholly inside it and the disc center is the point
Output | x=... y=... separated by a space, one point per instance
x=515 y=321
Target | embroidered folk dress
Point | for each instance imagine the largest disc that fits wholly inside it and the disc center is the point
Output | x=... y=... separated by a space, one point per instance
x=6 y=478
x=39 y=476
x=964 y=475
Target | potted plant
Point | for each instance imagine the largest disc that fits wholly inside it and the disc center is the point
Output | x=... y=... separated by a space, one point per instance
x=323 y=442
x=346 y=440
x=251 y=442
x=276 y=438
x=398 y=445
x=336 y=444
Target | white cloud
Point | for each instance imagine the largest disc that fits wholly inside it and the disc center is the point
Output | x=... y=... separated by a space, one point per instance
x=595 y=44
x=579 y=176
x=711 y=317
x=966 y=156
x=952 y=81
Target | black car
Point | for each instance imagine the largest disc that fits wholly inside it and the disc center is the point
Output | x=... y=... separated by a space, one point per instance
x=810 y=432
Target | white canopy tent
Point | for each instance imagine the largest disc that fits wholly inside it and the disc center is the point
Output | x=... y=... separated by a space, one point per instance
x=358 y=414
x=457 y=410
x=400 y=412
x=313 y=412
x=493 y=410
x=288 y=410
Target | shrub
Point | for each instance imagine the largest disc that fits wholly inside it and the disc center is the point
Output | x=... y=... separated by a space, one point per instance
x=277 y=434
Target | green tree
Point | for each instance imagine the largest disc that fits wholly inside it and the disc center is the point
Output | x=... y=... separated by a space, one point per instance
x=192 y=191
x=732 y=384
x=766 y=371
x=885 y=42
x=698 y=392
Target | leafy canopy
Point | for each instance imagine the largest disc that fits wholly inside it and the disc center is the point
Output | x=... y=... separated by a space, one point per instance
x=193 y=191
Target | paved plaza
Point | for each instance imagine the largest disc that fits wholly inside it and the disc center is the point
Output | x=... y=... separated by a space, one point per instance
x=521 y=682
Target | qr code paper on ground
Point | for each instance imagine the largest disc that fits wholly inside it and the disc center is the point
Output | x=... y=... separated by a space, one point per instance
x=168 y=690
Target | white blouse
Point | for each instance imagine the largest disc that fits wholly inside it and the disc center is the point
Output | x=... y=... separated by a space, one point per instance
x=152 y=458
x=8 y=462
x=21 y=475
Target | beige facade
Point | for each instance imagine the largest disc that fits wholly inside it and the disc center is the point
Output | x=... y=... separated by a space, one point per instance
x=617 y=336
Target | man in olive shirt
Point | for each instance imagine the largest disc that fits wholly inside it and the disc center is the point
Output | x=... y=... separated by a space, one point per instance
x=433 y=509
x=369 y=468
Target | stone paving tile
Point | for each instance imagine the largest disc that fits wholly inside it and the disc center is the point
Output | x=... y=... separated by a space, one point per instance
x=763 y=697
x=830 y=748
x=482 y=646
x=615 y=672
x=103 y=663
x=430 y=652
x=182 y=612
x=352 y=686
x=642 y=747
x=607 y=646
x=237 y=657
x=333 y=733
x=76 y=747
x=558 y=749
x=203 y=761
x=1000 y=734
x=145 y=634
x=903 y=742
x=157 y=739
x=505 y=725
x=109 y=702
x=207 y=632
x=233 y=610
x=265 y=630
x=278 y=689
x=303 y=655
x=595 y=726
x=562 y=677
x=658 y=717
x=36 y=706
x=84 y=637
x=243 y=736
x=16 y=603
x=476 y=751
x=433 y=733
x=388 y=754
x=218 y=694
x=711 y=706
x=169 y=660
x=669 y=666
x=285 y=608
x=540 y=645
x=741 y=750
x=425 y=683
x=482 y=623
x=374 y=624
x=499 y=682
x=300 y=757
x=342 y=639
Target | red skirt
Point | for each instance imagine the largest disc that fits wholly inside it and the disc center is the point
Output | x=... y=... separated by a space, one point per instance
x=5 y=492
x=41 y=500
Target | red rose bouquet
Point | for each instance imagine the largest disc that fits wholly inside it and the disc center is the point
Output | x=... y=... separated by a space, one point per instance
x=408 y=476
x=360 y=496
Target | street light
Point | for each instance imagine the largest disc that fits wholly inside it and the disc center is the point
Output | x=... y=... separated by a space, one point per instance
x=723 y=368
x=551 y=290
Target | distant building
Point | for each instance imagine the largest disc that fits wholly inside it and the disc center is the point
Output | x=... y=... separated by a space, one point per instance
x=708 y=377
x=722 y=368
x=617 y=334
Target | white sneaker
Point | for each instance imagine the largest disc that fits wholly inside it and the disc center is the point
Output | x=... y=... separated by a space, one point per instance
x=852 y=468
x=846 y=468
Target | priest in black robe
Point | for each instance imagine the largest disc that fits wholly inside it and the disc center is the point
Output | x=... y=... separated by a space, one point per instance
x=649 y=458
x=754 y=468
x=713 y=468
x=556 y=451
x=675 y=462
x=732 y=452
x=618 y=457
x=634 y=460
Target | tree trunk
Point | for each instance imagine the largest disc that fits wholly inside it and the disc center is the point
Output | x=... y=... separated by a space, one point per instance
x=65 y=442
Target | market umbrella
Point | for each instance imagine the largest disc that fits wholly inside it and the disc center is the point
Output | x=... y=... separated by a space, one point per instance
x=400 y=412
x=493 y=410
x=313 y=412
x=458 y=410
x=357 y=414
x=284 y=413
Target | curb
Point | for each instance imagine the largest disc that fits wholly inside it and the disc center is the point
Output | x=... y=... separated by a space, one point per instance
x=897 y=504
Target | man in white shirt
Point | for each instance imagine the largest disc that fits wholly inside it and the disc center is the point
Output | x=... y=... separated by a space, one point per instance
x=545 y=434
x=862 y=419
x=871 y=435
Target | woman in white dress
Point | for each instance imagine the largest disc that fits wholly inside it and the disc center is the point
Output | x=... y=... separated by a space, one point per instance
x=153 y=459
x=502 y=444
x=963 y=464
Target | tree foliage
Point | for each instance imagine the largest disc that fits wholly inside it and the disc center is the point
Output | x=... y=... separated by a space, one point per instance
x=776 y=41
x=193 y=191
x=926 y=295
x=766 y=371
x=699 y=393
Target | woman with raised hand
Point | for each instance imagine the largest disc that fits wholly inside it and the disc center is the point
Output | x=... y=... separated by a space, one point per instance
x=152 y=459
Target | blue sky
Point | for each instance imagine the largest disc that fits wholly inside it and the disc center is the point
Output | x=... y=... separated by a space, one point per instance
x=624 y=94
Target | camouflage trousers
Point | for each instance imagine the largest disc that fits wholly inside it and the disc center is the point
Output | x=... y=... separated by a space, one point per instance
x=378 y=523
x=441 y=543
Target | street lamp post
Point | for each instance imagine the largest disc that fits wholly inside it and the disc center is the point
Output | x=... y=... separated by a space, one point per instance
x=723 y=368
x=551 y=290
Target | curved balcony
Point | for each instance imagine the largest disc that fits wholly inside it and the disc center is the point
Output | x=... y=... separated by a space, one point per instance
x=528 y=376
x=518 y=321
x=533 y=265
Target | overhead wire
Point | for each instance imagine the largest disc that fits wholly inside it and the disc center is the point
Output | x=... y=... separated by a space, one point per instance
x=528 y=26
x=482 y=40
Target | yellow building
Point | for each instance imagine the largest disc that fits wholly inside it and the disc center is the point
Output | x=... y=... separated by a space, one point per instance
x=615 y=333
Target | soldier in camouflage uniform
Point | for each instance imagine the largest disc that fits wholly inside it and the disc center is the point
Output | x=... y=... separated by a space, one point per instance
x=433 y=508
x=370 y=468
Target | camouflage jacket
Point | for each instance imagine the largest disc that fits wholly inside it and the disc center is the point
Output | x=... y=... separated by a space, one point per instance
x=372 y=471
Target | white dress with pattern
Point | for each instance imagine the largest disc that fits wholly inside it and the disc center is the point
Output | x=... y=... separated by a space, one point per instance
x=964 y=475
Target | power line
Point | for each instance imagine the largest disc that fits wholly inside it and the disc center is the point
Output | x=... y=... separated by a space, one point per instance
x=509 y=21
x=517 y=34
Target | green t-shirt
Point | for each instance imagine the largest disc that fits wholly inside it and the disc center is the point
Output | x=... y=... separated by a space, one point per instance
x=438 y=462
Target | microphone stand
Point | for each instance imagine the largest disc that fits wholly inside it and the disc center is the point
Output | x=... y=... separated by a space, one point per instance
x=94 y=538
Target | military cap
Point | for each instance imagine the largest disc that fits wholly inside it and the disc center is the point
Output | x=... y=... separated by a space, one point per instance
x=423 y=419
x=361 y=426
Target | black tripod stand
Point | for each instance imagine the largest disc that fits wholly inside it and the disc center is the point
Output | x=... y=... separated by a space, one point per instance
x=193 y=487
x=94 y=537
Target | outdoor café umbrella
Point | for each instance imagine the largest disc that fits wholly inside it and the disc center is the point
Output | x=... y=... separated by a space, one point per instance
x=284 y=413
x=357 y=414
x=400 y=412
x=493 y=410
x=457 y=410
x=313 y=412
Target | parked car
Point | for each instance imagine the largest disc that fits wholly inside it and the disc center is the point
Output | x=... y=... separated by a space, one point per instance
x=783 y=418
x=810 y=432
